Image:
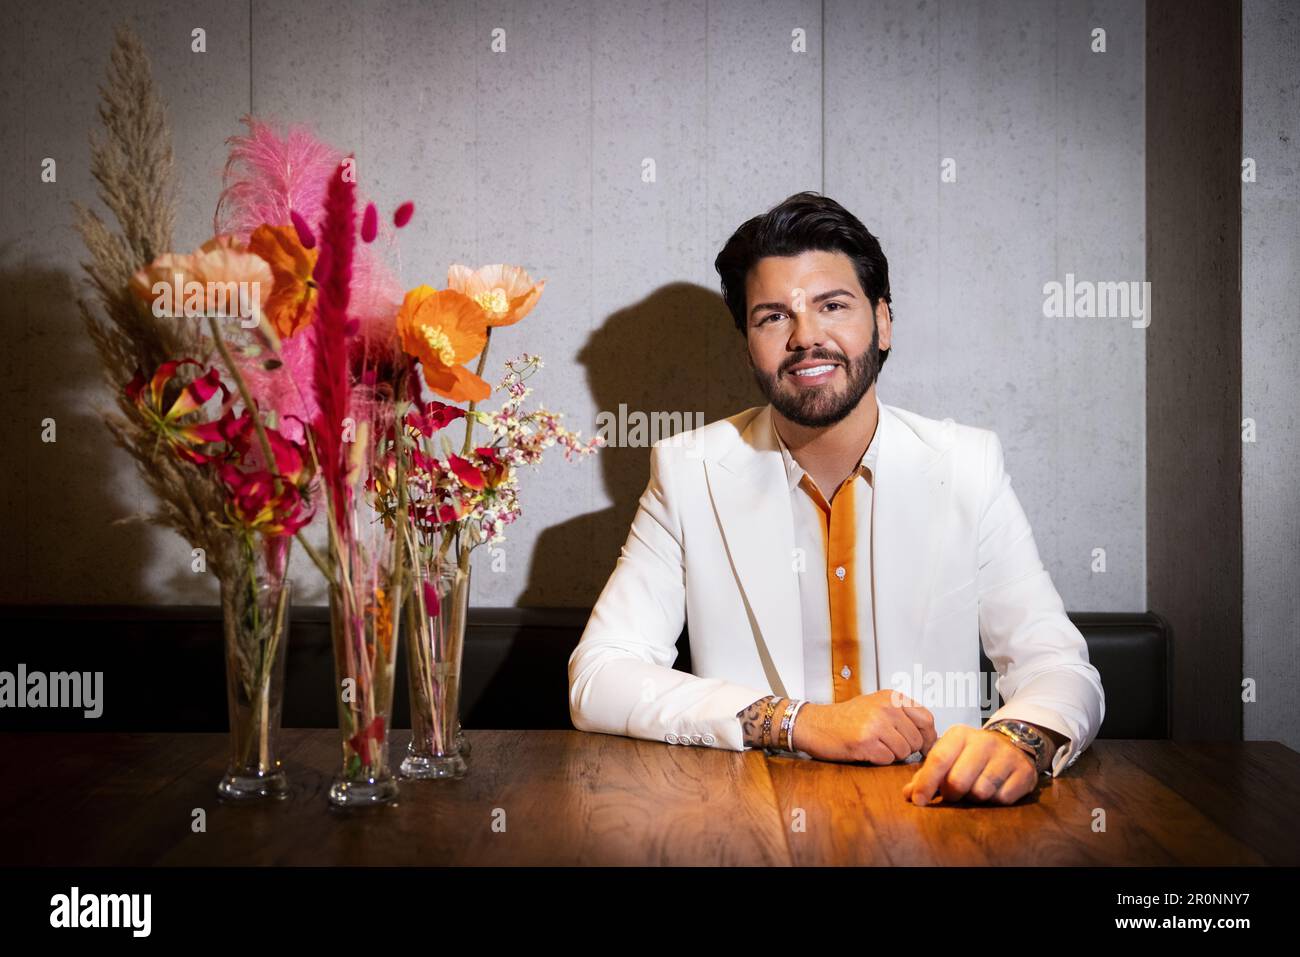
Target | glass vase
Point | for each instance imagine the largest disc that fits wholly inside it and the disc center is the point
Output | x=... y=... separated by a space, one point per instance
x=255 y=621
x=364 y=623
x=437 y=608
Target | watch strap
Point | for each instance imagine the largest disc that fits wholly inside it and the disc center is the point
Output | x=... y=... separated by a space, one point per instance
x=1040 y=754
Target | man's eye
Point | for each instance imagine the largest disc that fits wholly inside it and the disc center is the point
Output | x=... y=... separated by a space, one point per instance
x=840 y=304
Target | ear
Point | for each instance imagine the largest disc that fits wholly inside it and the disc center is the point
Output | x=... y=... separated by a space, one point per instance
x=884 y=322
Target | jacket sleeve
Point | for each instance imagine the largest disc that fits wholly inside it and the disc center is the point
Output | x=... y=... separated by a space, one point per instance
x=1045 y=677
x=621 y=679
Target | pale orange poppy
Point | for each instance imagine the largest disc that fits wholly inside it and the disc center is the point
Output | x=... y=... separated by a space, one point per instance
x=505 y=293
x=229 y=279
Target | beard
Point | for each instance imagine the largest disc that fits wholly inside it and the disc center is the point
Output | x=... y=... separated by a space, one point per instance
x=823 y=406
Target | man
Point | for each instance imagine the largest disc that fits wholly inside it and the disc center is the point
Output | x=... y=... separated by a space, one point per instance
x=831 y=552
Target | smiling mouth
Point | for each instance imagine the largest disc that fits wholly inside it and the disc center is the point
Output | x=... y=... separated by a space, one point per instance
x=813 y=372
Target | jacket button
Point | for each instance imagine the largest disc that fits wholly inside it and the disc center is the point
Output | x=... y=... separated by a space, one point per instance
x=670 y=738
x=697 y=739
x=710 y=740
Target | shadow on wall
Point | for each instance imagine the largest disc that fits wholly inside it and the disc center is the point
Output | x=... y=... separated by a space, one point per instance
x=676 y=351
x=61 y=498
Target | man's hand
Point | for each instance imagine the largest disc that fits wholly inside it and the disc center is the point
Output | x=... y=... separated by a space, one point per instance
x=974 y=764
x=881 y=727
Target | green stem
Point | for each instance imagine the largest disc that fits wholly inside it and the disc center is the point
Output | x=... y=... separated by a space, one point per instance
x=270 y=649
x=325 y=569
x=469 y=418
x=314 y=555
x=247 y=396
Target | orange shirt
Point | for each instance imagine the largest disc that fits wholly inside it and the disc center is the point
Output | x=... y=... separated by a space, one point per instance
x=833 y=561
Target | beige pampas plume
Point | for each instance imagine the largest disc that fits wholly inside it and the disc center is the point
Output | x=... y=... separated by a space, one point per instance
x=132 y=163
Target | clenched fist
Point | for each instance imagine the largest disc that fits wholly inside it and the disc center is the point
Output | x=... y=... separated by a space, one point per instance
x=881 y=727
x=973 y=764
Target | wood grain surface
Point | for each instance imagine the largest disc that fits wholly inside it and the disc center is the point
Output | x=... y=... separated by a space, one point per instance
x=573 y=798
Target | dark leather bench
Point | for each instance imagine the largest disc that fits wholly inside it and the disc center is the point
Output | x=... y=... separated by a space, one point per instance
x=164 y=667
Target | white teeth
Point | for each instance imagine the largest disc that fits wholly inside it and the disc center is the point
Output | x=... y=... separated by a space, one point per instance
x=815 y=370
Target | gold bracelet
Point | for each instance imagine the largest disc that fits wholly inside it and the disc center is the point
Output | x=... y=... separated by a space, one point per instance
x=767 y=721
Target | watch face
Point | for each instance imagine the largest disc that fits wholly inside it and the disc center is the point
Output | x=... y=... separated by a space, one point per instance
x=1030 y=735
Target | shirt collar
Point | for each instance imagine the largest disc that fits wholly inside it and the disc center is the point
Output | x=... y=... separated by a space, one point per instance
x=794 y=472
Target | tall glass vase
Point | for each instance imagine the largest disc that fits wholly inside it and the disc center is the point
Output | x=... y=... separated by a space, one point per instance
x=364 y=622
x=255 y=620
x=437 y=607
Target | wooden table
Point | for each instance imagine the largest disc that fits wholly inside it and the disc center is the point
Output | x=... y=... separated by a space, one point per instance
x=573 y=798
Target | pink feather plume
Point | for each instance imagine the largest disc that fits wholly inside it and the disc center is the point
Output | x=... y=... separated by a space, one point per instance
x=275 y=177
x=268 y=175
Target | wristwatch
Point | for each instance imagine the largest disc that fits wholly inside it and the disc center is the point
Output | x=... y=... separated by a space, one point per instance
x=1026 y=737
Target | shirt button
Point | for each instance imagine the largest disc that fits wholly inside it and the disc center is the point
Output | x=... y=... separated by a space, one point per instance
x=845 y=672
x=839 y=573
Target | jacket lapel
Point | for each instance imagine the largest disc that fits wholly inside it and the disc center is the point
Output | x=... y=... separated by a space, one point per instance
x=751 y=500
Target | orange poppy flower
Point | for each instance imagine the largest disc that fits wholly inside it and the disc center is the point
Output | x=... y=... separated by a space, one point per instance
x=443 y=329
x=505 y=293
x=292 y=302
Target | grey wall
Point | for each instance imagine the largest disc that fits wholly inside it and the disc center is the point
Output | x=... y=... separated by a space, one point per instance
x=60 y=498
x=1048 y=141
x=1270 y=345
x=536 y=156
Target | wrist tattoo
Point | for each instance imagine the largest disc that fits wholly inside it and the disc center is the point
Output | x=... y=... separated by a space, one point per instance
x=752 y=718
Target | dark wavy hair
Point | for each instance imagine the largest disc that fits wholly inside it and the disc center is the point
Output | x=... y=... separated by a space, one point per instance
x=802 y=222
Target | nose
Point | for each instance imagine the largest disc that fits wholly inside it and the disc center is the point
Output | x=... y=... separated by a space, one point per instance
x=807 y=336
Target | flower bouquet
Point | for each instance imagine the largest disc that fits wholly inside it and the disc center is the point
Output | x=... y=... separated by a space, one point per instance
x=332 y=329
x=229 y=482
x=456 y=502
x=316 y=389
x=266 y=481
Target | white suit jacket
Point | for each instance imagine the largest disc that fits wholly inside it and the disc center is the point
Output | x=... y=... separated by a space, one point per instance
x=953 y=559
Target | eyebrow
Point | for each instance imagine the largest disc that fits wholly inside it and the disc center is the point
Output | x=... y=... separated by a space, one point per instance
x=816 y=299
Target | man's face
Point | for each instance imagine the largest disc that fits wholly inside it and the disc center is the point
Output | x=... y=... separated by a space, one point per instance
x=805 y=311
